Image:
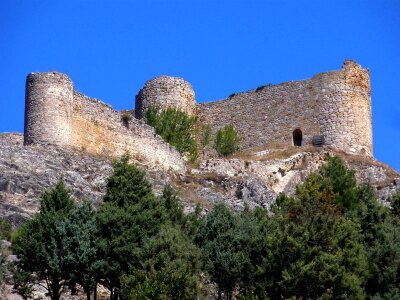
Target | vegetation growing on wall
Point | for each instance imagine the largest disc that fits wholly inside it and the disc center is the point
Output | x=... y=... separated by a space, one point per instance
x=205 y=137
x=176 y=128
x=261 y=87
x=126 y=117
x=227 y=141
x=5 y=229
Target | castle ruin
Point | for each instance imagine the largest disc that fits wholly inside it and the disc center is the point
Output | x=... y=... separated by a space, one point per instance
x=331 y=108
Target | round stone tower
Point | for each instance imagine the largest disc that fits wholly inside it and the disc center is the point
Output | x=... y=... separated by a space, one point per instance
x=163 y=92
x=344 y=108
x=48 y=109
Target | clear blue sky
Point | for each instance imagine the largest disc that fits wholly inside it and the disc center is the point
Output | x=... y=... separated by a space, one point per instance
x=110 y=48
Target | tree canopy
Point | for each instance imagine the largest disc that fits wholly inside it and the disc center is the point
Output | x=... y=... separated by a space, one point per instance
x=331 y=240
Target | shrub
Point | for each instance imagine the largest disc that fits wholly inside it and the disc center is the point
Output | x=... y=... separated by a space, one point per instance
x=205 y=137
x=261 y=87
x=5 y=229
x=227 y=141
x=176 y=128
x=126 y=117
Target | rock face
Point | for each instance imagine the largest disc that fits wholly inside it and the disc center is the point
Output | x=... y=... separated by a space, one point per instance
x=258 y=182
x=27 y=171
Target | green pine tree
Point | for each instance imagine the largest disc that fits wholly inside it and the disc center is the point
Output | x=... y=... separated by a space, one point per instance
x=225 y=246
x=41 y=244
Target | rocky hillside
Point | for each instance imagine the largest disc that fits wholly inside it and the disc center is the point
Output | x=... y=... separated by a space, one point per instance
x=26 y=171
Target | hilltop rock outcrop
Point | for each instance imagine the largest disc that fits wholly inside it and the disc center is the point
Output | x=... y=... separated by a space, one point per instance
x=27 y=171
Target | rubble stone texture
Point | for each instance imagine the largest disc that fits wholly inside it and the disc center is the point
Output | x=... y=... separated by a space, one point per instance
x=334 y=104
x=57 y=115
x=164 y=92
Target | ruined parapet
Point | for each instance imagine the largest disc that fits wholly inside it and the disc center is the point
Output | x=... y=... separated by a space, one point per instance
x=163 y=92
x=57 y=115
x=271 y=116
x=344 y=108
x=331 y=108
x=101 y=130
x=48 y=108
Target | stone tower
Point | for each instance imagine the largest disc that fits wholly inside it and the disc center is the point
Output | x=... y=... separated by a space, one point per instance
x=344 y=108
x=48 y=108
x=163 y=92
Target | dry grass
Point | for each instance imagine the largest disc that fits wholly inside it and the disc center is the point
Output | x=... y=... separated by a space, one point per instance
x=188 y=194
x=187 y=191
x=361 y=159
x=188 y=186
x=274 y=152
x=288 y=152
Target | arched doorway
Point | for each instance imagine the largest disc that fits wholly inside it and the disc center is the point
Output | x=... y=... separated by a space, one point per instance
x=297 y=137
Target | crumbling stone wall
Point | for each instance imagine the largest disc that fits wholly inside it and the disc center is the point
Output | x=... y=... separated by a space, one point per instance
x=344 y=112
x=48 y=108
x=334 y=104
x=57 y=115
x=163 y=92
x=266 y=117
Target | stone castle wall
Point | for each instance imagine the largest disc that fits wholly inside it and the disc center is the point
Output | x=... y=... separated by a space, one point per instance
x=55 y=114
x=266 y=117
x=333 y=104
x=163 y=92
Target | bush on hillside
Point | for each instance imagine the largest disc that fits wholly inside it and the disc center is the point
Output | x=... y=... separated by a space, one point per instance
x=176 y=128
x=227 y=141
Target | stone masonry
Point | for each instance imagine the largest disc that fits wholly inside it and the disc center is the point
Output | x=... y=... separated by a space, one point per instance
x=334 y=106
x=56 y=114
x=163 y=92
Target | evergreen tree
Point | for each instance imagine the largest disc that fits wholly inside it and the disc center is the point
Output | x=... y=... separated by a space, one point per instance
x=80 y=228
x=312 y=250
x=141 y=239
x=130 y=214
x=381 y=229
x=343 y=183
x=127 y=185
x=395 y=202
x=40 y=243
x=174 y=210
x=169 y=268
x=225 y=247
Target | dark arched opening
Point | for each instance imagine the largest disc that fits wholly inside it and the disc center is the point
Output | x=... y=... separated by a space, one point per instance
x=297 y=137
